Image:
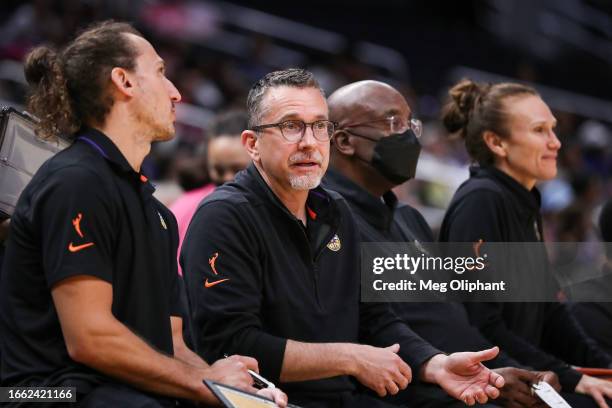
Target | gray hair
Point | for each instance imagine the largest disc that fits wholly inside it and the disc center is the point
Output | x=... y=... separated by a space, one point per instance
x=292 y=77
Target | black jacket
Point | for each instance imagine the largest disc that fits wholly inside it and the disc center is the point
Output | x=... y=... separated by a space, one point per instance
x=494 y=207
x=389 y=221
x=284 y=281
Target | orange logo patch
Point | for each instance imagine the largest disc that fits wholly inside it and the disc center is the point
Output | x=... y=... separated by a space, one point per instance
x=212 y=262
x=208 y=284
x=77 y=248
x=76 y=223
x=476 y=247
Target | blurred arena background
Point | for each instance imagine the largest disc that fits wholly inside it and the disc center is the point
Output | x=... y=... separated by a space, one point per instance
x=214 y=50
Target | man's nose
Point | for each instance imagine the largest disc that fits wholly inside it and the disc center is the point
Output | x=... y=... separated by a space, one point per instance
x=175 y=95
x=308 y=140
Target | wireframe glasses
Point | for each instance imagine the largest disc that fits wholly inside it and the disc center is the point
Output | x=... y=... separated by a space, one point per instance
x=395 y=124
x=294 y=130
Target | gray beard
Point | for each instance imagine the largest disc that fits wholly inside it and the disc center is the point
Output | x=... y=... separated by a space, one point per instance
x=304 y=182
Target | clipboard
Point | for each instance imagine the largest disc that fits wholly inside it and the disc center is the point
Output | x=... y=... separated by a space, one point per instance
x=22 y=152
x=232 y=397
x=548 y=394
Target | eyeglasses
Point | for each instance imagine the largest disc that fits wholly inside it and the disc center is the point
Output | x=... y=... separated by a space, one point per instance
x=395 y=124
x=294 y=130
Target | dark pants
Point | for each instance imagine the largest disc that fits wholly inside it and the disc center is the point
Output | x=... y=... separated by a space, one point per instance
x=120 y=395
x=342 y=400
x=581 y=401
x=415 y=396
x=429 y=396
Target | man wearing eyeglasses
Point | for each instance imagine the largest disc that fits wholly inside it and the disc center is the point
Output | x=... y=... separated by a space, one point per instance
x=271 y=264
x=376 y=148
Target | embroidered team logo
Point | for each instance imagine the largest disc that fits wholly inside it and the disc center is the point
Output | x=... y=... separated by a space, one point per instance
x=163 y=222
x=335 y=244
x=212 y=262
x=76 y=223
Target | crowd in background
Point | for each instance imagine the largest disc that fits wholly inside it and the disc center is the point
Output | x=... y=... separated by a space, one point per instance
x=211 y=81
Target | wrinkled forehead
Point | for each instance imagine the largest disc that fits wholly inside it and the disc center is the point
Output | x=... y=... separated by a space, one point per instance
x=285 y=102
x=379 y=104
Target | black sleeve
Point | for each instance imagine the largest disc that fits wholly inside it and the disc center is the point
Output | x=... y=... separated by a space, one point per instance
x=381 y=327
x=489 y=318
x=596 y=319
x=565 y=337
x=434 y=322
x=226 y=315
x=76 y=225
x=178 y=298
x=476 y=217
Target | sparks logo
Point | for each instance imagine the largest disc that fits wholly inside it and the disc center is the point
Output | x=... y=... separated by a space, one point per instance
x=76 y=223
x=212 y=261
x=476 y=247
x=335 y=244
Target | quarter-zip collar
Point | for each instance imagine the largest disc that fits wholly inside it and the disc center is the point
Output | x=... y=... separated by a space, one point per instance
x=320 y=206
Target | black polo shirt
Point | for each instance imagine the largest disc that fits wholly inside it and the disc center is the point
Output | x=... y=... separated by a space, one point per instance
x=85 y=212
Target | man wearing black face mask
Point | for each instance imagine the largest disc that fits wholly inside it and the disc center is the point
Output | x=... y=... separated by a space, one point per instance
x=376 y=148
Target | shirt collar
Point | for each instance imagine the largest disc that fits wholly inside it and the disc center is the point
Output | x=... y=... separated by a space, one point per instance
x=378 y=212
x=319 y=205
x=529 y=200
x=104 y=146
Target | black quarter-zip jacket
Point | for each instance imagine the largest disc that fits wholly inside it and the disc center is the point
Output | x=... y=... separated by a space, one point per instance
x=444 y=324
x=494 y=207
x=271 y=279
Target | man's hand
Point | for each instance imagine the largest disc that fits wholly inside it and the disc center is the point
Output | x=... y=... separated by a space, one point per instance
x=596 y=388
x=381 y=369
x=232 y=371
x=463 y=376
x=276 y=395
x=549 y=377
x=517 y=390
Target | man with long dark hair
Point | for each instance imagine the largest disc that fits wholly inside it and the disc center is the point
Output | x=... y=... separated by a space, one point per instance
x=90 y=295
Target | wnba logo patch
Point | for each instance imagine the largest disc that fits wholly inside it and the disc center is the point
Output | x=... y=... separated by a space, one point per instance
x=335 y=244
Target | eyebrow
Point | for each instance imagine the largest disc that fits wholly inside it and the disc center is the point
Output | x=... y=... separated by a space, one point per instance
x=543 y=121
x=391 y=112
x=296 y=116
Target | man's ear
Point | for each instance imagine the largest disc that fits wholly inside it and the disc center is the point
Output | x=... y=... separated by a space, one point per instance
x=250 y=141
x=122 y=82
x=495 y=143
x=341 y=140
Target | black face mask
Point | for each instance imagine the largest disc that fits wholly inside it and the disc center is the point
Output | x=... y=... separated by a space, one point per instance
x=395 y=156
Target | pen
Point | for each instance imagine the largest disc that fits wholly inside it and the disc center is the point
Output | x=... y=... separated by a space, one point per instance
x=258 y=379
